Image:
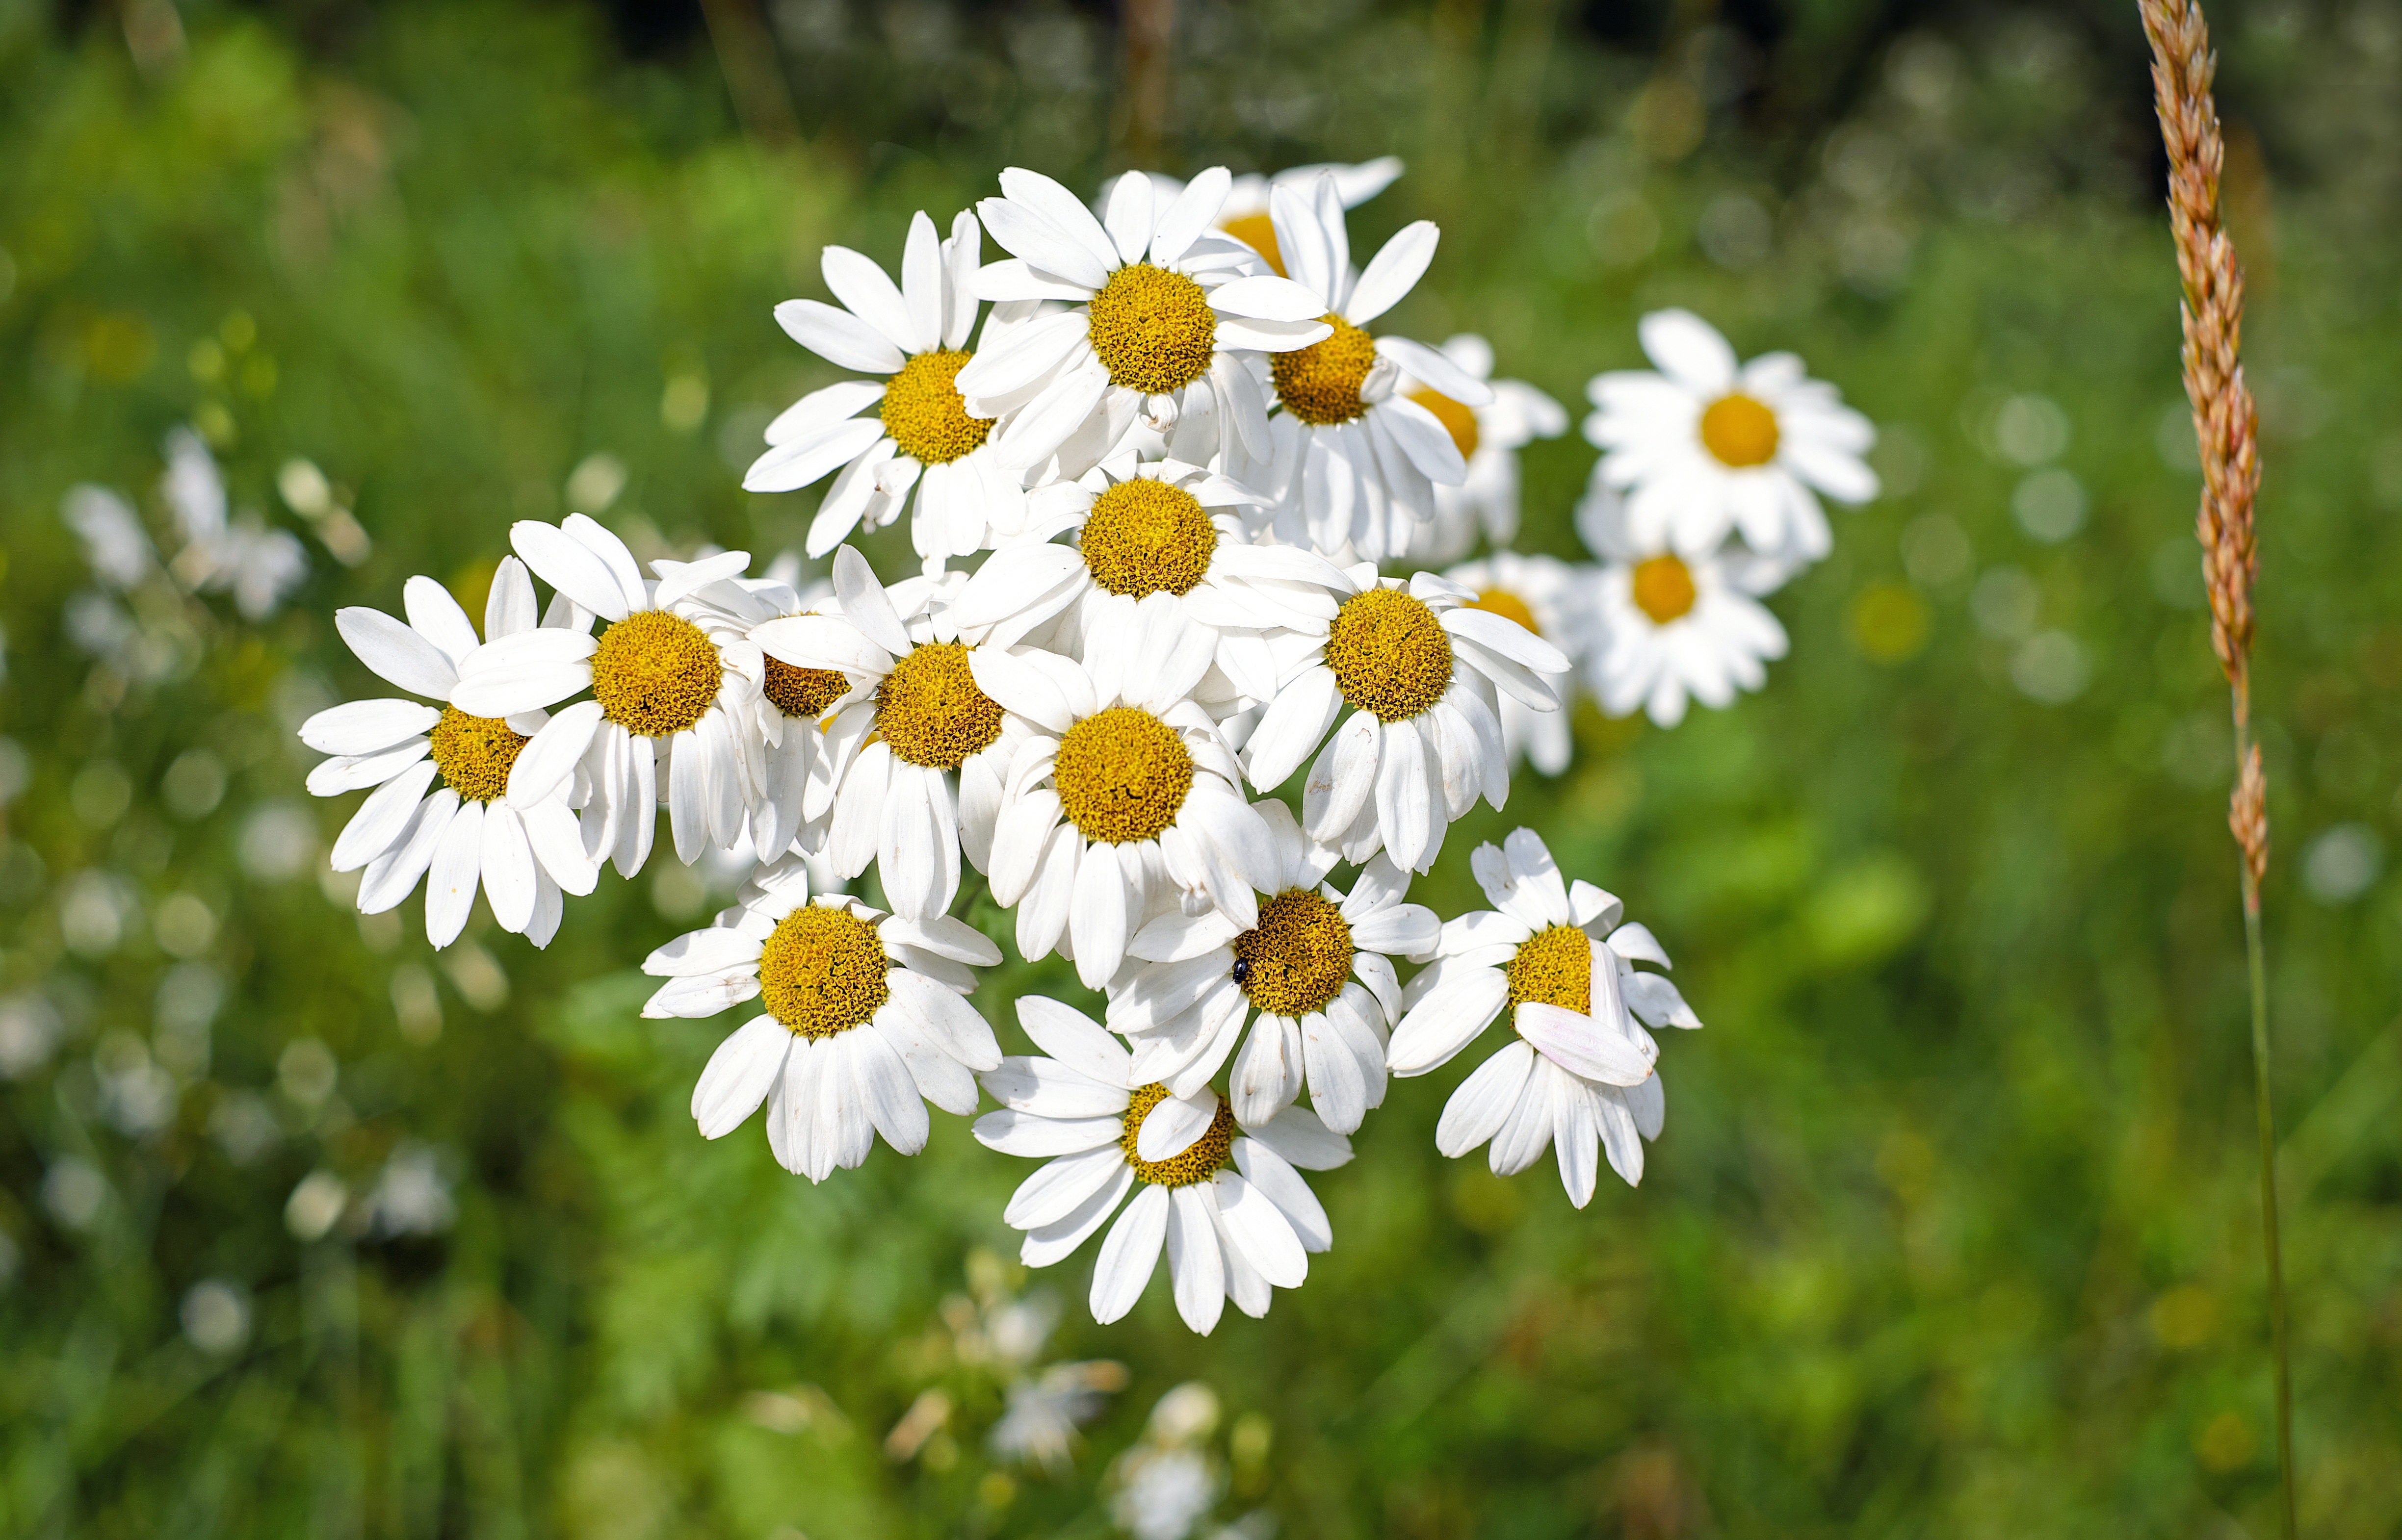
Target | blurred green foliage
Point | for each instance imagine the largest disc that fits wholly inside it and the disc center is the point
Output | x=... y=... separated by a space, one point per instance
x=1954 y=1228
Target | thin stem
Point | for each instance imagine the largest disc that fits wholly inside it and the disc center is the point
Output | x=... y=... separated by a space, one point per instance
x=2265 y=1114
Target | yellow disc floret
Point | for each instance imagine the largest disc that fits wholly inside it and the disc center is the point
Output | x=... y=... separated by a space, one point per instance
x=1122 y=776
x=804 y=692
x=930 y=710
x=1258 y=232
x=1664 y=588
x=1739 y=431
x=1146 y=537
x=656 y=673
x=823 y=971
x=1207 y=1156
x=1295 y=959
x=924 y=412
x=1320 y=383
x=475 y=753
x=1153 y=329
x=1389 y=654
x=1509 y=606
x=1555 y=967
x=1459 y=419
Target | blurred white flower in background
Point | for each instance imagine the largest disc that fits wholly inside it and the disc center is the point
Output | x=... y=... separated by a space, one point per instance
x=1168 y=1481
x=1489 y=437
x=260 y=566
x=411 y=1196
x=215 y=1315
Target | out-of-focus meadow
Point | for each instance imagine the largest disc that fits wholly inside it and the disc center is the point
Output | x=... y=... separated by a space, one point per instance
x=307 y=1229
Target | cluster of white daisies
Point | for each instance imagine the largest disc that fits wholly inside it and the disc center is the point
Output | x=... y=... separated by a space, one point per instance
x=1151 y=495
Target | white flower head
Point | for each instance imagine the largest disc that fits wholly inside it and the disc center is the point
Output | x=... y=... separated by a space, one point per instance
x=1421 y=667
x=1225 y=1198
x=675 y=691
x=1661 y=626
x=916 y=751
x=475 y=828
x=259 y=565
x=1311 y=980
x=1489 y=437
x=792 y=786
x=1540 y=593
x=1356 y=461
x=1707 y=445
x=1579 y=1078
x=1123 y=791
x=1245 y=215
x=1165 y=317
x=865 y=1020
x=1146 y=527
x=1043 y=1410
x=920 y=438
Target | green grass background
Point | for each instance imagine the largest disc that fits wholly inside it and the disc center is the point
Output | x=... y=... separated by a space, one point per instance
x=1953 y=1227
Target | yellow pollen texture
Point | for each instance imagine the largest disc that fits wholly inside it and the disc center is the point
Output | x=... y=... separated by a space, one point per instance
x=1739 y=431
x=1509 y=606
x=1145 y=537
x=1554 y=968
x=655 y=673
x=930 y=710
x=1460 y=420
x=804 y=692
x=1122 y=776
x=1299 y=954
x=823 y=971
x=1206 y=1157
x=475 y=753
x=1258 y=232
x=1664 y=588
x=1389 y=654
x=1153 y=329
x=924 y=412
x=1320 y=383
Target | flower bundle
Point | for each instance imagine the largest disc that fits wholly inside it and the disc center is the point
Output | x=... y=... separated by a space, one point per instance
x=1153 y=687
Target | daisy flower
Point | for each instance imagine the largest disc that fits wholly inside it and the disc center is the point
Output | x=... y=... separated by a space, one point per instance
x=261 y=566
x=1356 y=459
x=1123 y=787
x=1661 y=626
x=1420 y=667
x=866 y=1018
x=1244 y=215
x=1579 y=1075
x=916 y=749
x=1316 y=968
x=664 y=688
x=1225 y=1196
x=1705 y=446
x=920 y=437
x=1539 y=593
x=791 y=788
x=1489 y=438
x=1145 y=529
x=475 y=830
x=1165 y=318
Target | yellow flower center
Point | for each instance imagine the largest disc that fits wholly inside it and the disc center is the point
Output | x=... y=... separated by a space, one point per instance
x=656 y=673
x=804 y=692
x=1146 y=537
x=475 y=753
x=1206 y=1157
x=1122 y=775
x=924 y=412
x=823 y=971
x=1509 y=606
x=1296 y=958
x=930 y=710
x=1664 y=588
x=1555 y=967
x=1460 y=420
x=1258 y=232
x=1153 y=329
x=1389 y=654
x=1739 y=431
x=1320 y=383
